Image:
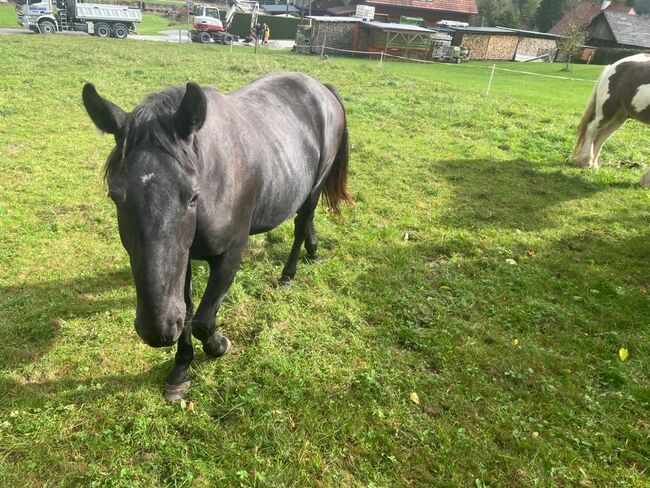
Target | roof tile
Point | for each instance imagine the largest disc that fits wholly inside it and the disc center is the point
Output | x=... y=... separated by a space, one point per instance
x=461 y=6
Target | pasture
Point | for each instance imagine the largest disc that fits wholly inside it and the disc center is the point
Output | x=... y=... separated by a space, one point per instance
x=477 y=270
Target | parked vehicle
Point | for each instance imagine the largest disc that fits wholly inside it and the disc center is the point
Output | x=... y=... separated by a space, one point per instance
x=96 y=19
x=208 y=26
x=453 y=54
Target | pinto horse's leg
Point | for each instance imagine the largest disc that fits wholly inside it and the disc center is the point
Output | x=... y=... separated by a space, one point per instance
x=222 y=272
x=585 y=159
x=303 y=224
x=604 y=132
x=177 y=381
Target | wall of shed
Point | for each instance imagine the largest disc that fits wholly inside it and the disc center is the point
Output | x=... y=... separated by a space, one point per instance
x=502 y=48
x=332 y=34
x=600 y=30
x=531 y=46
x=476 y=43
x=374 y=40
x=486 y=46
x=430 y=16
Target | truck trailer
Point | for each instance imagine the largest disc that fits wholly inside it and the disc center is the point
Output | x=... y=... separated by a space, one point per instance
x=100 y=20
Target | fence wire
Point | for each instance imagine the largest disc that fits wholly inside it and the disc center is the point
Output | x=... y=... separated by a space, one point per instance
x=383 y=55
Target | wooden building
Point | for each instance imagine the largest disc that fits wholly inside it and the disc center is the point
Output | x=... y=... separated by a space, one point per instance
x=584 y=13
x=390 y=11
x=431 y=11
x=503 y=44
x=619 y=30
x=353 y=34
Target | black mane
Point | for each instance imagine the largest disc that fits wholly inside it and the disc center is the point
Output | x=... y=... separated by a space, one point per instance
x=151 y=124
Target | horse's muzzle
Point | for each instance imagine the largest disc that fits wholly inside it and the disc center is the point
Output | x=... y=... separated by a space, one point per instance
x=164 y=335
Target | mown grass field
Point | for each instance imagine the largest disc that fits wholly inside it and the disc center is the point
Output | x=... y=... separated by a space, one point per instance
x=8 y=16
x=152 y=24
x=516 y=366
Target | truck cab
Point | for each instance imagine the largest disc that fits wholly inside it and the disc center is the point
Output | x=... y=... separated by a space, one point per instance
x=34 y=14
x=101 y=20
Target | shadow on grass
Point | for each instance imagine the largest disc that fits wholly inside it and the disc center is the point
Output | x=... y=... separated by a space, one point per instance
x=507 y=194
x=31 y=314
x=72 y=390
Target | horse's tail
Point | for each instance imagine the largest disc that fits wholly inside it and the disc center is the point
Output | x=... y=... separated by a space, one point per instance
x=587 y=117
x=335 y=189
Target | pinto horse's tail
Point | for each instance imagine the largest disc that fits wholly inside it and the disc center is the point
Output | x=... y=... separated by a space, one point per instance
x=588 y=116
x=335 y=189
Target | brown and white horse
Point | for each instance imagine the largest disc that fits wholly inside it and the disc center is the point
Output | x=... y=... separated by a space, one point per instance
x=622 y=92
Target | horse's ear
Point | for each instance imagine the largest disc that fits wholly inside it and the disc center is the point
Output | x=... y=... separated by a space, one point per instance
x=191 y=113
x=107 y=116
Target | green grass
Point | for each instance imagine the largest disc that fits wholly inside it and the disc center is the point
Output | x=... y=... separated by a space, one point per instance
x=152 y=24
x=8 y=16
x=415 y=292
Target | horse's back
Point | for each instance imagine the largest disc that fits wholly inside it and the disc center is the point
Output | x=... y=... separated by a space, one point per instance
x=294 y=128
x=626 y=85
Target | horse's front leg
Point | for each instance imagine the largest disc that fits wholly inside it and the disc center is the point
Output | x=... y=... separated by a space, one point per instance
x=222 y=273
x=178 y=381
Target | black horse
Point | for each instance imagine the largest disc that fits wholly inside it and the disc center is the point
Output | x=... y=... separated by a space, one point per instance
x=195 y=172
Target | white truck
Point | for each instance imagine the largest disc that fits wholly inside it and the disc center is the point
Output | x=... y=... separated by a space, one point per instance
x=96 y=19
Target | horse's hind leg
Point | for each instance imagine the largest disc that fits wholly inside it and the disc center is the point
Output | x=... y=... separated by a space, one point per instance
x=303 y=232
x=311 y=241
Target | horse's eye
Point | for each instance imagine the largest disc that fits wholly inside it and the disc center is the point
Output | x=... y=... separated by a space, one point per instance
x=117 y=195
x=194 y=200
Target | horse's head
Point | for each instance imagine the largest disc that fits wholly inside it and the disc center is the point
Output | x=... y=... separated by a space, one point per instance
x=151 y=176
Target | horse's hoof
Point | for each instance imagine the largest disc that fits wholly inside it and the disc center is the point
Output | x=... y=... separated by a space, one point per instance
x=216 y=348
x=313 y=258
x=285 y=281
x=582 y=164
x=174 y=393
x=645 y=179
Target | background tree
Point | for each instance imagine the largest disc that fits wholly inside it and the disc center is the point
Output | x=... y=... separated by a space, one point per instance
x=571 y=45
x=641 y=6
x=549 y=12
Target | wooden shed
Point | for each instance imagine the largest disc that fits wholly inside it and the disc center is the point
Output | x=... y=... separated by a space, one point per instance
x=353 y=34
x=406 y=40
x=336 y=32
x=504 y=44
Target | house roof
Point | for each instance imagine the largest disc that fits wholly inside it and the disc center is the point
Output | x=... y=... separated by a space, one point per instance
x=342 y=10
x=629 y=30
x=392 y=27
x=528 y=33
x=458 y=6
x=279 y=9
x=583 y=14
x=481 y=30
x=327 y=18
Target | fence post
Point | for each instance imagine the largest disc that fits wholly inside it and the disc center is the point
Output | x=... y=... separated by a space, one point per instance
x=322 y=50
x=381 y=59
x=487 y=92
x=180 y=36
